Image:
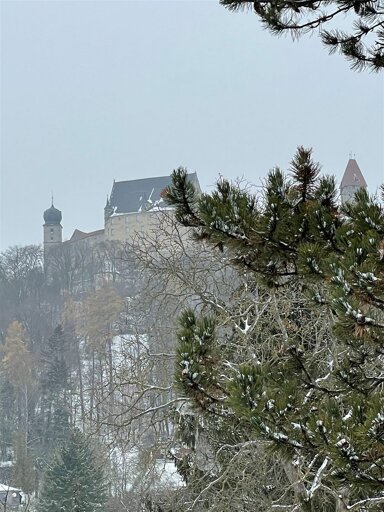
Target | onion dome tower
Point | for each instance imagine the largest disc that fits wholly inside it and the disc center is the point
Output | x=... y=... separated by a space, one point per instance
x=53 y=231
x=353 y=180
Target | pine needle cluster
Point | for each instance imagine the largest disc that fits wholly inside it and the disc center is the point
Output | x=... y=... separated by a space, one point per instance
x=318 y=402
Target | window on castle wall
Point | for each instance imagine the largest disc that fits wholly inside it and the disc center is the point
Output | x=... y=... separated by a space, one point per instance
x=51 y=231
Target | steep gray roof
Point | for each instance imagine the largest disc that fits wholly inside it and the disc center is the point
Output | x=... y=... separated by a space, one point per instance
x=140 y=195
x=353 y=177
x=80 y=235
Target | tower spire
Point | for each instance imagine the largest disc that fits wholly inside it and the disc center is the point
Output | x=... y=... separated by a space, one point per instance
x=352 y=181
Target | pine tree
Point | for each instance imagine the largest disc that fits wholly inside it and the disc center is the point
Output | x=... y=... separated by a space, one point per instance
x=317 y=401
x=74 y=480
x=54 y=375
x=51 y=422
x=55 y=384
x=361 y=42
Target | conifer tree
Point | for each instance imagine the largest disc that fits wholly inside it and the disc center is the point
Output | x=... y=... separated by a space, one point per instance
x=52 y=422
x=54 y=375
x=74 y=480
x=318 y=402
x=362 y=42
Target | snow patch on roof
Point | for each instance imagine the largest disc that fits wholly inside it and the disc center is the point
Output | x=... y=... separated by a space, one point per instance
x=8 y=488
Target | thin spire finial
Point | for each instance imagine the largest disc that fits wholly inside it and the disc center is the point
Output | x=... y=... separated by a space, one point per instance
x=52 y=196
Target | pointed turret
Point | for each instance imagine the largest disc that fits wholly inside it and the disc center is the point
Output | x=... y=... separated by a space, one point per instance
x=108 y=210
x=353 y=180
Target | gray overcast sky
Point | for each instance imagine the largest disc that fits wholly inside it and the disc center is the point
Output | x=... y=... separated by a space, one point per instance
x=92 y=91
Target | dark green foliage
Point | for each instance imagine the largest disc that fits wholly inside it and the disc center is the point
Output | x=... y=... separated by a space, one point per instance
x=266 y=234
x=74 y=480
x=183 y=194
x=53 y=421
x=54 y=375
x=318 y=401
x=362 y=44
x=196 y=372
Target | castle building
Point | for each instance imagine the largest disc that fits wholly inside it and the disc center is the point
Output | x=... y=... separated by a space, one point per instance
x=133 y=206
x=352 y=181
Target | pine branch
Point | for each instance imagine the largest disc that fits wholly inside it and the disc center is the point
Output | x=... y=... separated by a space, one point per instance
x=183 y=196
x=363 y=45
